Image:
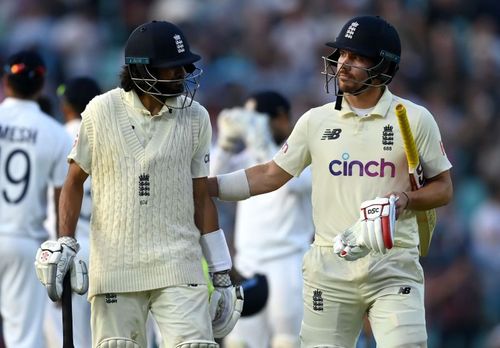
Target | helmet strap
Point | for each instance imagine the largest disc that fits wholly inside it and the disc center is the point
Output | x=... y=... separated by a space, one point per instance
x=338 y=101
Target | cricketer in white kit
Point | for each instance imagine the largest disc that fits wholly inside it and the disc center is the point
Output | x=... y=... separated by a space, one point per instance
x=272 y=231
x=363 y=261
x=33 y=150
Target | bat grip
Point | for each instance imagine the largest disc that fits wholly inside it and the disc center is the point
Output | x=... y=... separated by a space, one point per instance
x=67 y=312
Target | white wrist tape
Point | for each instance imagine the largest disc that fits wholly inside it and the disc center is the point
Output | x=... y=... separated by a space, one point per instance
x=233 y=186
x=216 y=252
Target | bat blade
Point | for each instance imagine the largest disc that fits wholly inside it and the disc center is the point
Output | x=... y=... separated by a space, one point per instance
x=426 y=220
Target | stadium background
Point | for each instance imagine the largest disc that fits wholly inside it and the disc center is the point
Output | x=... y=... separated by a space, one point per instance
x=450 y=64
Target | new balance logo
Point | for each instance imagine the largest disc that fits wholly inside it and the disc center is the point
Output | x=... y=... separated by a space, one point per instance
x=331 y=134
x=404 y=290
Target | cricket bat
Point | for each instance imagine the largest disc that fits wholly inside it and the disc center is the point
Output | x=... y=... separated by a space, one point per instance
x=67 y=312
x=426 y=220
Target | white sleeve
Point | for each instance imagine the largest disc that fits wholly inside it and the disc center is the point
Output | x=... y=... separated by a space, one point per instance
x=81 y=152
x=295 y=154
x=430 y=145
x=200 y=163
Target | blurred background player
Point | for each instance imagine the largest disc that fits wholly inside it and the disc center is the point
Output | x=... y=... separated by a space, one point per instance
x=75 y=94
x=351 y=163
x=273 y=231
x=33 y=150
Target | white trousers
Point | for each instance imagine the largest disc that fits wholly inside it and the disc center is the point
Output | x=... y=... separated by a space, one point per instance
x=278 y=325
x=22 y=296
x=181 y=313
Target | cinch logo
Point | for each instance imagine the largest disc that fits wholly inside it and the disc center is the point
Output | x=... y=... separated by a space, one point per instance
x=357 y=168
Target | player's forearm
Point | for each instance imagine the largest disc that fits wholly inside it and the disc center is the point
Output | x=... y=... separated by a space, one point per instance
x=205 y=211
x=206 y=218
x=242 y=184
x=266 y=177
x=437 y=192
x=70 y=203
x=57 y=195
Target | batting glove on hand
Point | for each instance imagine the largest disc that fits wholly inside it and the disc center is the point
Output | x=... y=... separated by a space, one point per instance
x=226 y=304
x=348 y=244
x=79 y=276
x=258 y=138
x=230 y=129
x=53 y=260
x=379 y=218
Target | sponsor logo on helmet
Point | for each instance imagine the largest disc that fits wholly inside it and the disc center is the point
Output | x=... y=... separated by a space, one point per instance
x=351 y=30
x=346 y=167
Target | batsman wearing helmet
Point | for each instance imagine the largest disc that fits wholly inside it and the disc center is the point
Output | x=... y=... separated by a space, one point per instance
x=146 y=146
x=365 y=255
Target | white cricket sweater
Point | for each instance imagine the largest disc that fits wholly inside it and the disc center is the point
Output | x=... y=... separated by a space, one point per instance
x=143 y=231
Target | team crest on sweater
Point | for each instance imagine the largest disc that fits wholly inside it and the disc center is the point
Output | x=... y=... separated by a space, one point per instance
x=144 y=188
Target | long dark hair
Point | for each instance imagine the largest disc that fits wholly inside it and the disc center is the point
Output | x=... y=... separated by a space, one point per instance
x=126 y=80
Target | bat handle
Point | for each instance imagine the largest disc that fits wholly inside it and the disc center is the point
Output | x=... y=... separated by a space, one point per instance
x=67 y=312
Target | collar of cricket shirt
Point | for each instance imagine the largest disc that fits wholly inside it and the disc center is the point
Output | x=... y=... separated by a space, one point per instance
x=380 y=109
x=132 y=99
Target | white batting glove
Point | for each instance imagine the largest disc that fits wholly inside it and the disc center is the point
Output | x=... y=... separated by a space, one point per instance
x=53 y=260
x=230 y=129
x=348 y=244
x=379 y=218
x=79 y=276
x=226 y=304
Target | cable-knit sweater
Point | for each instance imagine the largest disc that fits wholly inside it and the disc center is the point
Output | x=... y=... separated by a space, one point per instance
x=143 y=231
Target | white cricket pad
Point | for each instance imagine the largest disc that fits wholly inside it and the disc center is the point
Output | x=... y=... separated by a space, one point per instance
x=197 y=344
x=118 y=342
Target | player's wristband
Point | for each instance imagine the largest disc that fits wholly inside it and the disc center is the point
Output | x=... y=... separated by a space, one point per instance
x=216 y=252
x=233 y=186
